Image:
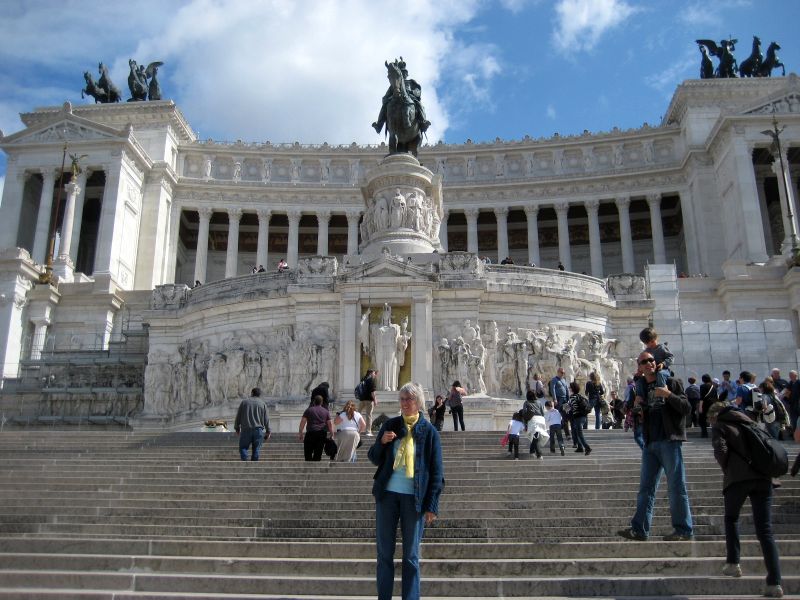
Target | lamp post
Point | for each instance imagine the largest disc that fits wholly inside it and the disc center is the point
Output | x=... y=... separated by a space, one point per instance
x=775 y=134
x=47 y=276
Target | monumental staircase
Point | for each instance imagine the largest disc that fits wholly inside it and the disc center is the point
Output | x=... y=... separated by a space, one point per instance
x=114 y=515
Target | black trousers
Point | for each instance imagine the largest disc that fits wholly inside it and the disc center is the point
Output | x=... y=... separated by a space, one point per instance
x=458 y=417
x=314 y=444
x=513 y=445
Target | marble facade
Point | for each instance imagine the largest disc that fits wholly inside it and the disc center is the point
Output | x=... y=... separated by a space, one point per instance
x=625 y=212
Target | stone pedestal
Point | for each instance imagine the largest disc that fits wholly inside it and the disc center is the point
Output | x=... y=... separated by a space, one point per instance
x=403 y=208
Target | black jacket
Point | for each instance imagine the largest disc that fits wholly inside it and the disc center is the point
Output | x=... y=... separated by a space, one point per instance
x=676 y=407
x=729 y=447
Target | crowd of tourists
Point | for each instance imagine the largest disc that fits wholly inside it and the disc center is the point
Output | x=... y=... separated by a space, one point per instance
x=655 y=406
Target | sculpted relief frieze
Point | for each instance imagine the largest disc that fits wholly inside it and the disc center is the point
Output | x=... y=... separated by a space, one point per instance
x=217 y=369
x=406 y=209
x=502 y=360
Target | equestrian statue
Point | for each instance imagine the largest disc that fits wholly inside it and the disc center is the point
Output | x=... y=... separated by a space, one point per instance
x=755 y=65
x=401 y=111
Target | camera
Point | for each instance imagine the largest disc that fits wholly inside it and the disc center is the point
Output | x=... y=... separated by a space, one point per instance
x=758 y=406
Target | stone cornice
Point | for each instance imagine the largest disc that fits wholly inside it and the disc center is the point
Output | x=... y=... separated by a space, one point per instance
x=140 y=114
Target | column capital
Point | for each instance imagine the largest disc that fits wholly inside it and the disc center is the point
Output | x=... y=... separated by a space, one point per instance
x=323 y=215
x=531 y=210
x=205 y=213
x=561 y=209
x=264 y=214
x=353 y=214
x=472 y=212
x=294 y=215
x=49 y=174
x=73 y=188
x=501 y=211
x=592 y=206
x=623 y=202
x=654 y=199
x=235 y=213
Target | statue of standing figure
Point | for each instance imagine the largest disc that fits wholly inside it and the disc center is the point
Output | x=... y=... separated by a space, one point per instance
x=389 y=343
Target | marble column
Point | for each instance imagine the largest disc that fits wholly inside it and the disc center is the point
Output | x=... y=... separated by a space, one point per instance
x=323 y=219
x=532 y=213
x=750 y=246
x=80 y=200
x=657 y=228
x=262 y=247
x=171 y=258
x=69 y=220
x=11 y=206
x=294 y=237
x=232 y=252
x=501 y=214
x=472 y=229
x=784 y=184
x=762 y=205
x=201 y=254
x=443 y=230
x=422 y=338
x=39 y=337
x=690 y=233
x=42 y=236
x=349 y=351
x=352 y=231
x=564 y=254
x=626 y=238
x=595 y=247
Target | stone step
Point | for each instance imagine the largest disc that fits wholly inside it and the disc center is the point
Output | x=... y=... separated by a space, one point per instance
x=652 y=584
x=43 y=594
x=357 y=567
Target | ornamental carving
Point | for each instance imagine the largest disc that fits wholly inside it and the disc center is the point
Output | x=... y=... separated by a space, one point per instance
x=169 y=296
x=627 y=287
x=407 y=209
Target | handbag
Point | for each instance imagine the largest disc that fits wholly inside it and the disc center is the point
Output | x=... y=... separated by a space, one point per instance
x=504 y=440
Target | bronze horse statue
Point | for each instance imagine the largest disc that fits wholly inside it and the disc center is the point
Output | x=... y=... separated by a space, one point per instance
x=771 y=61
x=93 y=90
x=750 y=65
x=401 y=116
x=104 y=83
x=724 y=52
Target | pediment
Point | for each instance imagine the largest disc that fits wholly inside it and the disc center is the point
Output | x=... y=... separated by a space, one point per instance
x=396 y=267
x=65 y=127
x=786 y=101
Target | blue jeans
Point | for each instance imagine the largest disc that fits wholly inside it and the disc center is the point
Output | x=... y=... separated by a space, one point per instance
x=248 y=437
x=595 y=404
x=388 y=511
x=638 y=436
x=578 y=425
x=658 y=458
x=760 y=493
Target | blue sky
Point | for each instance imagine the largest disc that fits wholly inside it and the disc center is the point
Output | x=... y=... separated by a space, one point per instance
x=312 y=70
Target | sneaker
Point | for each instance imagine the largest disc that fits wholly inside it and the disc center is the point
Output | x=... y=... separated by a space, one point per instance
x=588 y=451
x=631 y=534
x=540 y=457
x=676 y=536
x=516 y=459
x=732 y=570
x=562 y=450
x=578 y=449
x=370 y=434
x=773 y=591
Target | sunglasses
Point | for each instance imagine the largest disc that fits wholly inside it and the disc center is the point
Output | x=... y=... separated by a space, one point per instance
x=644 y=361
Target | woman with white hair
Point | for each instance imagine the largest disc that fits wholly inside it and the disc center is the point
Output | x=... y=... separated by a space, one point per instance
x=408 y=483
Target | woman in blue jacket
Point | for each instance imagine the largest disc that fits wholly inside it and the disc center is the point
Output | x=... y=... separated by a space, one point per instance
x=408 y=483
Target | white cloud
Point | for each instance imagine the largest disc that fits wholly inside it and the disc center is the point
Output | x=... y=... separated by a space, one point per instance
x=667 y=79
x=551 y=112
x=581 y=23
x=517 y=6
x=283 y=70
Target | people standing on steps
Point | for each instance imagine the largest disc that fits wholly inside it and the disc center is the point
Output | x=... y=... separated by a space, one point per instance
x=594 y=391
x=349 y=427
x=553 y=420
x=436 y=412
x=559 y=392
x=407 y=486
x=741 y=481
x=578 y=409
x=252 y=425
x=533 y=415
x=663 y=413
x=454 y=402
x=367 y=400
x=317 y=423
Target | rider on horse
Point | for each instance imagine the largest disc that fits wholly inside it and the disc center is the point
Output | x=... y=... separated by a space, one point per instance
x=415 y=91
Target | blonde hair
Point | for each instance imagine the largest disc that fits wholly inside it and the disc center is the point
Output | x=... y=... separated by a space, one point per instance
x=414 y=389
x=350 y=409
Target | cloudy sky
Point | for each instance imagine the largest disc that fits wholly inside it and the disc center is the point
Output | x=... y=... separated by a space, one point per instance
x=312 y=70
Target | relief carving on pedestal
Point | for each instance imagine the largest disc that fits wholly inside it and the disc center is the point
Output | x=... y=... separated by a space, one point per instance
x=404 y=209
x=283 y=361
x=502 y=361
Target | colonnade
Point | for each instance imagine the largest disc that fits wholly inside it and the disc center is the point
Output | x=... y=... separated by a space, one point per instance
x=471 y=214
x=262 y=247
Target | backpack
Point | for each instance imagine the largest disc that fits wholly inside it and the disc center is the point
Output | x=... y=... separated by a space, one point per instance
x=359 y=391
x=765 y=454
x=581 y=406
x=526 y=412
